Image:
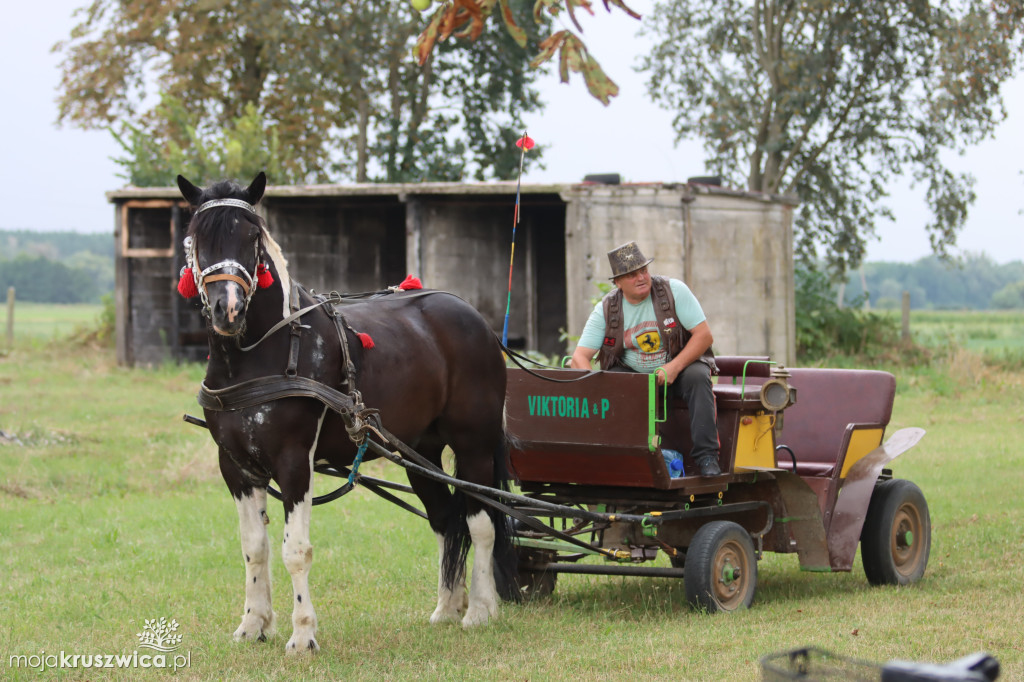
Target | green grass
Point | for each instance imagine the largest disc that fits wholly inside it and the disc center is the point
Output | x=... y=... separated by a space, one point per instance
x=35 y=322
x=983 y=331
x=112 y=512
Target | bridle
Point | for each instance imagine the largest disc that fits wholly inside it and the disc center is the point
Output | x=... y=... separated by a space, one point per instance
x=202 y=278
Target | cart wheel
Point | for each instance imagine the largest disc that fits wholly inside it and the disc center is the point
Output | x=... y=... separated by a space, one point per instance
x=897 y=534
x=535 y=582
x=721 y=571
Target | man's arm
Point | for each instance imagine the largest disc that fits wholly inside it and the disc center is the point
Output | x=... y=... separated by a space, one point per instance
x=581 y=357
x=700 y=341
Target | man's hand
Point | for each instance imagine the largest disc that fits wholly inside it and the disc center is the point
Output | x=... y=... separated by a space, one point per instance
x=700 y=341
x=667 y=373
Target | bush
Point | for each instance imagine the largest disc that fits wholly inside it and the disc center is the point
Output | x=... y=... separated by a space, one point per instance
x=825 y=330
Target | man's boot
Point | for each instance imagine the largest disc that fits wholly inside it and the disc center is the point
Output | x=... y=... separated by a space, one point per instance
x=708 y=466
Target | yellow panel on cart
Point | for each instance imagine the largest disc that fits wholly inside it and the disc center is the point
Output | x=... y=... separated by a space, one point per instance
x=862 y=441
x=755 y=442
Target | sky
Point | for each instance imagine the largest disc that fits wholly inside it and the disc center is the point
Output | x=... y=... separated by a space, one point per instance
x=55 y=178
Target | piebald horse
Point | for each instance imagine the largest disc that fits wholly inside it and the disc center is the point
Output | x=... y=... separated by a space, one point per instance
x=431 y=365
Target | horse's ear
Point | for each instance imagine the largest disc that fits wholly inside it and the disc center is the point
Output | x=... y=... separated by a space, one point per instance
x=189 y=191
x=254 y=191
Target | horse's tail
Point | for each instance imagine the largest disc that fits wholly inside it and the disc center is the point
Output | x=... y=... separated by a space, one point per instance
x=457 y=540
x=506 y=560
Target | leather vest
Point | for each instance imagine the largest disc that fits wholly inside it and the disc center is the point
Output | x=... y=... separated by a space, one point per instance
x=612 y=349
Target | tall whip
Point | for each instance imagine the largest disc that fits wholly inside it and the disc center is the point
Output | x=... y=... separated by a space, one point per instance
x=525 y=143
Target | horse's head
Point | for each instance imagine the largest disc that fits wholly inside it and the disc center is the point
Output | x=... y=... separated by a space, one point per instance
x=223 y=248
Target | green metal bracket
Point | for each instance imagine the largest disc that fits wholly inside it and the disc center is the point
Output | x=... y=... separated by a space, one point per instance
x=743 y=386
x=650 y=528
x=652 y=403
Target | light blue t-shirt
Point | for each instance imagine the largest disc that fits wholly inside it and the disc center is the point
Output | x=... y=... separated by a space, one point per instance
x=645 y=350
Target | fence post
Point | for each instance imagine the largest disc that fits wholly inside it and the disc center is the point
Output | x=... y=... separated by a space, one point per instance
x=10 y=318
x=906 y=316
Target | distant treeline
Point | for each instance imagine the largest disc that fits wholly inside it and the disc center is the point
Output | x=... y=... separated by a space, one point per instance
x=56 y=267
x=72 y=267
x=975 y=282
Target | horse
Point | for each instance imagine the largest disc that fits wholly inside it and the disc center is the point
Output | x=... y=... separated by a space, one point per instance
x=435 y=372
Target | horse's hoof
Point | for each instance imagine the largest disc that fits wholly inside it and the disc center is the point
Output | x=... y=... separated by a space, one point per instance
x=476 y=617
x=255 y=634
x=255 y=630
x=444 y=616
x=302 y=645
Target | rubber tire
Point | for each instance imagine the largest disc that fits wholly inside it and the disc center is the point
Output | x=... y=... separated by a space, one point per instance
x=534 y=584
x=896 y=506
x=717 y=546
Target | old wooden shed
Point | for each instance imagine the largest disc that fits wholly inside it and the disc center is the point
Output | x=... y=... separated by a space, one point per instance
x=734 y=249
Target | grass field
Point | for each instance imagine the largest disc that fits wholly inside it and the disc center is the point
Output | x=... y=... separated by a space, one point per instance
x=112 y=512
x=976 y=330
x=47 y=321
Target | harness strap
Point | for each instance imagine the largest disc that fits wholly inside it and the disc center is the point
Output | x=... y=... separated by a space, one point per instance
x=335 y=298
x=296 y=335
x=286 y=321
x=230 y=278
x=264 y=389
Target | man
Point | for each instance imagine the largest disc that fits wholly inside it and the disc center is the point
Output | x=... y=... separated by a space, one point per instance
x=655 y=324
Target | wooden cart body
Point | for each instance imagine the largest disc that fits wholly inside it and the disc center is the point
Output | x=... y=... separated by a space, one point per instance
x=596 y=440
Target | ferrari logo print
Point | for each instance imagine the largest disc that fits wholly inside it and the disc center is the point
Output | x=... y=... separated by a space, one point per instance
x=649 y=342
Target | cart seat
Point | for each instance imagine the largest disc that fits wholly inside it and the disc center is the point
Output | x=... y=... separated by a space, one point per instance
x=740 y=369
x=840 y=415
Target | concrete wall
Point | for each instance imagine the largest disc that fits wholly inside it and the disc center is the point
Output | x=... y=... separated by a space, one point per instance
x=733 y=249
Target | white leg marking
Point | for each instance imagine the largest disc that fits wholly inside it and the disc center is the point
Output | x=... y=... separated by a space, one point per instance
x=298 y=559
x=451 y=603
x=258 y=621
x=483 y=595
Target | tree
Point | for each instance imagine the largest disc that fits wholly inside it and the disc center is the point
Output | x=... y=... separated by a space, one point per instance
x=42 y=280
x=467 y=18
x=180 y=145
x=1009 y=297
x=832 y=99
x=326 y=82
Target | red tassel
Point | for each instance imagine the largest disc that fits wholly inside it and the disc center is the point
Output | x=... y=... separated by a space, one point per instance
x=187 y=284
x=410 y=282
x=263 y=277
x=365 y=339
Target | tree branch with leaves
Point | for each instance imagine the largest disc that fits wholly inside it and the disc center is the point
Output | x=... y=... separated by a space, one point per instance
x=832 y=100
x=331 y=81
x=467 y=19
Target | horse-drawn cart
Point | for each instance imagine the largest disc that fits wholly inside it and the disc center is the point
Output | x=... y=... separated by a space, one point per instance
x=804 y=472
x=295 y=385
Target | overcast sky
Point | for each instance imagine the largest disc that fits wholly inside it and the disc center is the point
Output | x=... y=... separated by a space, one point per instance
x=55 y=178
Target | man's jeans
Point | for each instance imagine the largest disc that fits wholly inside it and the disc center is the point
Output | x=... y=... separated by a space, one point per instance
x=694 y=386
